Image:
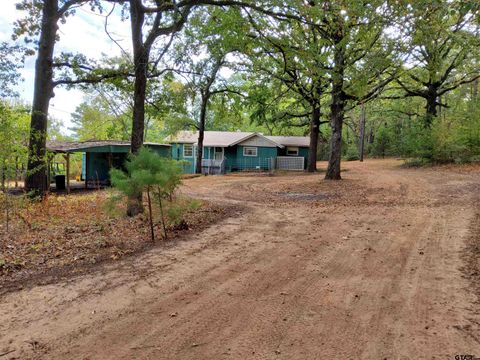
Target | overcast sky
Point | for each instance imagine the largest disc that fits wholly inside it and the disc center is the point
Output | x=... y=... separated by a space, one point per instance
x=83 y=33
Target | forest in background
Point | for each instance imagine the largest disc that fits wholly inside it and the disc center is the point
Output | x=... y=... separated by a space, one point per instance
x=402 y=76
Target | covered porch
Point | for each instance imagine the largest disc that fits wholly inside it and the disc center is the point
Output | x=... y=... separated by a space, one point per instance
x=214 y=160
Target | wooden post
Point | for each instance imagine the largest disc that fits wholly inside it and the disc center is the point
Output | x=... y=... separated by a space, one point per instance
x=86 y=170
x=67 y=158
x=16 y=171
x=362 y=131
x=49 y=171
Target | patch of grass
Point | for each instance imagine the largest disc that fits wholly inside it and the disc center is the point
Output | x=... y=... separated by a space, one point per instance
x=417 y=162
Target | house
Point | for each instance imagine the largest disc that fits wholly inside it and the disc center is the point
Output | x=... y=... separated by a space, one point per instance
x=99 y=156
x=225 y=151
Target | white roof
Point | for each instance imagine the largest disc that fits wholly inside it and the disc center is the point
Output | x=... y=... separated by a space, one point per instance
x=219 y=138
x=302 y=141
x=211 y=138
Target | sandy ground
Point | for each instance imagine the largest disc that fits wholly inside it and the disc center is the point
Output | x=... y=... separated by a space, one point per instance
x=372 y=267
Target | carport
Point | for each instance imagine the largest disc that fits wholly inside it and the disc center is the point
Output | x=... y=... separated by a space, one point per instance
x=99 y=156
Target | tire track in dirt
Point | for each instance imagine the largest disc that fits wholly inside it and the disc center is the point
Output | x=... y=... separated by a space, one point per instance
x=362 y=282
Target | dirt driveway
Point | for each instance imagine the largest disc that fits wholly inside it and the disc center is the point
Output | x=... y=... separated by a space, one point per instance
x=373 y=267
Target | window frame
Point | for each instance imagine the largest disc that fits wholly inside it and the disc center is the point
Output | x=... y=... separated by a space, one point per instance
x=191 y=152
x=250 y=148
x=289 y=148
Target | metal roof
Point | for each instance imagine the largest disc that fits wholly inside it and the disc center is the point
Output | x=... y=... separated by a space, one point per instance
x=80 y=146
x=230 y=138
x=302 y=141
x=211 y=138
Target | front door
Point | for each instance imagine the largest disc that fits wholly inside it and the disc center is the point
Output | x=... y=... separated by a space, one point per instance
x=218 y=153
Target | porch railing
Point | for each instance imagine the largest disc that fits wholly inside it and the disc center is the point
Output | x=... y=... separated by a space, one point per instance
x=213 y=166
x=290 y=163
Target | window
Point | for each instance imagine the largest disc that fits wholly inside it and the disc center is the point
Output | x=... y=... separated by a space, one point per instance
x=249 y=151
x=187 y=150
x=292 y=151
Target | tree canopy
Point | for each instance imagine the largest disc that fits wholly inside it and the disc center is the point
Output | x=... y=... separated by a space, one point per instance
x=280 y=67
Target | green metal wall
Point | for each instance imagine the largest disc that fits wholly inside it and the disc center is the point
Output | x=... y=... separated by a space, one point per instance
x=97 y=165
x=96 y=161
x=163 y=151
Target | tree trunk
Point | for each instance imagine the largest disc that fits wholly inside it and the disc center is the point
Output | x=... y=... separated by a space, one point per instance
x=141 y=56
x=371 y=137
x=314 y=131
x=36 y=179
x=140 y=59
x=337 y=110
x=3 y=176
x=16 y=171
x=431 y=107
x=201 y=133
x=475 y=90
x=140 y=88
x=362 y=131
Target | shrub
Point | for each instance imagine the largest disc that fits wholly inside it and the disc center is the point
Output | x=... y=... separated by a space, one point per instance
x=176 y=210
x=150 y=173
x=383 y=143
x=352 y=154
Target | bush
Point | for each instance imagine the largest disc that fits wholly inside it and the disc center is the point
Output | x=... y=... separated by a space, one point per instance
x=352 y=154
x=448 y=140
x=383 y=143
x=176 y=210
x=149 y=173
x=417 y=162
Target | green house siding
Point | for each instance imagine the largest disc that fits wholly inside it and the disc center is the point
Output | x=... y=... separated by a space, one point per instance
x=208 y=152
x=263 y=160
x=234 y=158
x=303 y=151
x=230 y=158
x=189 y=162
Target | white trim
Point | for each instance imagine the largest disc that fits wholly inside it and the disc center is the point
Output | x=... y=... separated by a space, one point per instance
x=293 y=149
x=259 y=135
x=193 y=151
x=250 y=148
